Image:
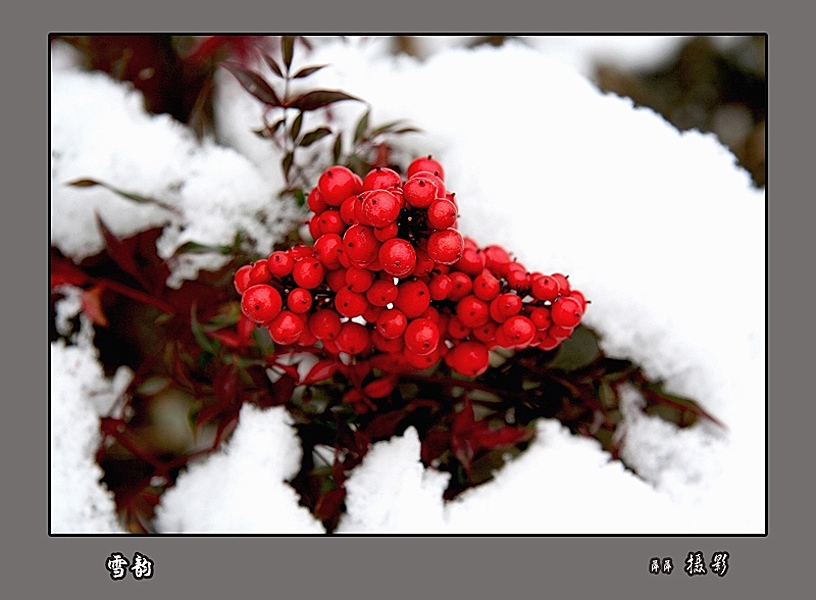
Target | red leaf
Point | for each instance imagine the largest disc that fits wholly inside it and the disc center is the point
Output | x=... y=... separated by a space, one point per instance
x=383 y=426
x=227 y=337
x=380 y=388
x=63 y=271
x=434 y=445
x=225 y=383
x=504 y=437
x=92 y=306
x=324 y=369
x=329 y=504
x=121 y=252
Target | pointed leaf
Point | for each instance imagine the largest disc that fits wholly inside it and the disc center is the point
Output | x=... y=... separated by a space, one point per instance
x=380 y=388
x=314 y=135
x=323 y=369
x=92 y=306
x=286 y=163
x=362 y=126
x=306 y=71
x=294 y=131
x=84 y=183
x=337 y=148
x=204 y=342
x=288 y=50
x=64 y=271
x=273 y=64
x=504 y=437
x=120 y=253
x=319 y=98
x=225 y=383
x=254 y=84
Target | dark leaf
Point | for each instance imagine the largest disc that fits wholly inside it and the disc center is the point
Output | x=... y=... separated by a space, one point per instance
x=294 y=131
x=362 y=126
x=288 y=50
x=407 y=130
x=329 y=504
x=434 y=445
x=503 y=437
x=286 y=163
x=254 y=84
x=306 y=71
x=313 y=136
x=273 y=64
x=319 y=98
x=337 y=148
x=385 y=127
x=120 y=253
x=384 y=425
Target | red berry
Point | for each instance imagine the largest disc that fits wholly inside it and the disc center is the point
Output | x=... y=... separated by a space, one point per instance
x=456 y=329
x=359 y=280
x=285 y=329
x=338 y=183
x=329 y=221
x=445 y=246
x=241 y=279
x=360 y=245
x=579 y=297
x=413 y=298
x=386 y=233
x=563 y=283
x=469 y=358
x=545 y=288
x=381 y=178
x=472 y=311
x=315 y=202
x=353 y=339
x=419 y=192
x=261 y=303
x=440 y=286
x=421 y=336
x=382 y=292
x=328 y=248
x=559 y=333
x=518 y=279
x=350 y=304
x=461 y=286
x=336 y=279
x=308 y=273
x=260 y=272
x=381 y=208
x=397 y=257
x=486 y=333
x=505 y=306
x=325 y=324
x=299 y=300
x=541 y=318
x=442 y=214
x=486 y=287
x=280 y=263
x=519 y=330
x=425 y=163
x=471 y=262
x=385 y=345
x=392 y=323
x=566 y=312
x=495 y=256
x=348 y=210
x=421 y=361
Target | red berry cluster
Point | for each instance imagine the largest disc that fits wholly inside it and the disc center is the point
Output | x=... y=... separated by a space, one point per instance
x=391 y=279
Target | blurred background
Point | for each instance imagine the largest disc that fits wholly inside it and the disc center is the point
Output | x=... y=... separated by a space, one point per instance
x=714 y=84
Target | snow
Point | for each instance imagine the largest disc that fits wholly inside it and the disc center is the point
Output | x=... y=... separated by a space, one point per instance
x=80 y=393
x=661 y=230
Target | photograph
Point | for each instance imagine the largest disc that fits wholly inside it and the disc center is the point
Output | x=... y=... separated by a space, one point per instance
x=399 y=285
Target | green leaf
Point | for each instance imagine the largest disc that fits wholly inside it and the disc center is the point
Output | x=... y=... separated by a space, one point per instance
x=306 y=71
x=296 y=125
x=319 y=99
x=85 y=183
x=577 y=351
x=300 y=197
x=196 y=248
x=312 y=136
x=362 y=126
x=288 y=50
x=201 y=338
x=254 y=84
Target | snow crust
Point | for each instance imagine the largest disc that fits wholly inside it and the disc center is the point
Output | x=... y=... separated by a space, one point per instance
x=661 y=230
